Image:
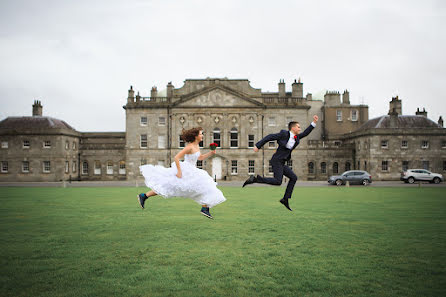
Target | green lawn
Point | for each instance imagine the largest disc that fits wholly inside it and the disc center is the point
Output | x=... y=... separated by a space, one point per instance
x=337 y=242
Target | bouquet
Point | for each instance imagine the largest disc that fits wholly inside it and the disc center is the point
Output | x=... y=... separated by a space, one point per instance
x=213 y=146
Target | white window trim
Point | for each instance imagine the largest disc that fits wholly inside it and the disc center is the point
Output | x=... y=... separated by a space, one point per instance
x=45 y=142
x=140 y=141
x=97 y=170
x=163 y=144
x=23 y=168
x=340 y=116
x=160 y=123
x=251 y=167
x=422 y=144
x=271 y=121
x=386 y=146
x=29 y=144
x=351 y=116
x=5 y=145
x=236 y=167
x=1 y=167
x=407 y=144
x=109 y=169
x=141 y=123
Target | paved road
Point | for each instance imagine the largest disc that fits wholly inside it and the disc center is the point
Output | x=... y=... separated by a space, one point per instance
x=220 y=183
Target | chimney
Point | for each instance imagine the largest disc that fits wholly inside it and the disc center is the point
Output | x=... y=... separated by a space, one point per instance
x=421 y=113
x=396 y=105
x=332 y=98
x=169 y=90
x=281 y=88
x=393 y=118
x=309 y=96
x=138 y=98
x=297 y=89
x=440 y=122
x=37 y=108
x=346 y=97
x=154 y=92
x=131 y=97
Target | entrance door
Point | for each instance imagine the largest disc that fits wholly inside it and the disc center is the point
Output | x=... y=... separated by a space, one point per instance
x=216 y=167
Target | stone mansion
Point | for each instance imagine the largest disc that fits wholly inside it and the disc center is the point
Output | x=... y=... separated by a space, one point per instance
x=234 y=115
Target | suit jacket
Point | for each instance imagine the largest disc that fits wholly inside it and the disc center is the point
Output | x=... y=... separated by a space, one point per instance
x=283 y=153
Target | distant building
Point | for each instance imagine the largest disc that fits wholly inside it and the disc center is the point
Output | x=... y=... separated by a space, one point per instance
x=234 y=115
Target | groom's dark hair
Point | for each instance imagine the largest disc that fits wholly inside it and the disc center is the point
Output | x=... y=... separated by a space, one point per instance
x=292 y=124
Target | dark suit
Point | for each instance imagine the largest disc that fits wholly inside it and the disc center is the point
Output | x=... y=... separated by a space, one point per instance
x=281 y=155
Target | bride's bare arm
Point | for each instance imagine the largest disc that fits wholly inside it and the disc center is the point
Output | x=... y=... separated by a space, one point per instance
x=179 y=156
x=207 y=155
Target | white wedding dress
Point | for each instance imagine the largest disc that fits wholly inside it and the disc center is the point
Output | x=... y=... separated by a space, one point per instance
x=195 y=183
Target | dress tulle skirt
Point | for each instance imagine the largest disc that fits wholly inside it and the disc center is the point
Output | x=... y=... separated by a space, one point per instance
x=195 y=183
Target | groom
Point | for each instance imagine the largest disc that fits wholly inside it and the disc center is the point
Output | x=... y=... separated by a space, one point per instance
x=287 y=140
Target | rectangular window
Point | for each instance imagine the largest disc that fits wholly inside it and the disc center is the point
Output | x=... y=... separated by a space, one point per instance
x=354 y=115
x=85 y=168
x=234 y=167
x=270 y=168
x=289 y=163
x=143 y=141
x=384 y=165
x=161 y=141
x=425 y=165
x=217 y=137
x=251 y=166
x=122 y=167
x=46 y=166
x=109 y=168
x=4 y=166
x=384 y=144
x=201 y=144
x=67 y=145
x=200 y=164
x=339 y=115
x=337 y=143
x=143 y=121
x=26 y=144
x=97 y=167
x=444 y=165
x=47 y=144
x=404 y=144
x=181 y=141
x=162 y=121
x=4 y=144
x=271 y=144
x=250 y=141
x=74 y=167
x=443 y=144
x=25 y=166
x=405 y=165
x=234 y=139
x=424 y=144
x=271 y=121
x=67 y=167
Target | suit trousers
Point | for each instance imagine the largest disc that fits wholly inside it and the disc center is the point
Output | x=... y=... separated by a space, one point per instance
x=280 y=169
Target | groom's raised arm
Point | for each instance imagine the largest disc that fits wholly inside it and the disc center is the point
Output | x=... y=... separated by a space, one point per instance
x=267 y=138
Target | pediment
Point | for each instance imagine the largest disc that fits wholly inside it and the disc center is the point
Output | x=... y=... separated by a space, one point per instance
x=217 y=96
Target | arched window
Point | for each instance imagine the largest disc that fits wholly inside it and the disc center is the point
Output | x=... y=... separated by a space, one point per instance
x=234 y=138
x=348 y=166
x=335 y=167
x=323 y=167
x=311 y=168
x=121 y=167
x=97 y=167
x=216 y=136
x=109 y=167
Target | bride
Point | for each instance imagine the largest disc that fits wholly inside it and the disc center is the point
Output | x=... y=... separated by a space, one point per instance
x=184 y=179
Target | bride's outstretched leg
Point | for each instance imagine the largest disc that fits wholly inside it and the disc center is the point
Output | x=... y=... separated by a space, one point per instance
x=143 y=197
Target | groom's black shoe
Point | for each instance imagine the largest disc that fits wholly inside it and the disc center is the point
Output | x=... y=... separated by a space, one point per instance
x=284 y=201
x=249 y=181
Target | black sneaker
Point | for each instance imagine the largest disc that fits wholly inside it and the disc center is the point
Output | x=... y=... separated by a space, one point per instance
x=141 y=199
x=205 y=211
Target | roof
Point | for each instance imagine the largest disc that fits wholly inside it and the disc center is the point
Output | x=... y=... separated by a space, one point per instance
x=404 y=121
x=34 y=123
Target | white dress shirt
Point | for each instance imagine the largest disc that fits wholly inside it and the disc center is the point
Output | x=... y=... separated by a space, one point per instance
x=292 y=141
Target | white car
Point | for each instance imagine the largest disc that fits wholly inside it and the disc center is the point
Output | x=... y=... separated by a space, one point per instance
x=412 y=175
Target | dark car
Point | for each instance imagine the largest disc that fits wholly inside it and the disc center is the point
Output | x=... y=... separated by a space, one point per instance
x=359 y=177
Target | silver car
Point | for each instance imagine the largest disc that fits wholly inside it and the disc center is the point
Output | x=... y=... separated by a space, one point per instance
x=412 y=175
x=352 y=176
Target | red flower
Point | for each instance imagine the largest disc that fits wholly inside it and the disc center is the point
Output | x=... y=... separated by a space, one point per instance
x=295 y=137
x=213 y=146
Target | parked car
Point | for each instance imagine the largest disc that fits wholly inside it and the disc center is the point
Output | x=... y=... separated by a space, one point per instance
x=352 y=176
x=412 y=175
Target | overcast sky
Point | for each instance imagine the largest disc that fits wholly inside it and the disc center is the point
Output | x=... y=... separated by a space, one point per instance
x=79 y=57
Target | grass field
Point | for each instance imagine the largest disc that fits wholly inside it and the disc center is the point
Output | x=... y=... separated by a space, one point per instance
x=337 y=242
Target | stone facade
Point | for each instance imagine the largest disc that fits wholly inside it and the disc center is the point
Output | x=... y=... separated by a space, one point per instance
x=235 y=115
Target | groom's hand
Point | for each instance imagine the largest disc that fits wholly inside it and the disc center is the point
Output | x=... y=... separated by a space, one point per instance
x=315 y=118
x=255 y=149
